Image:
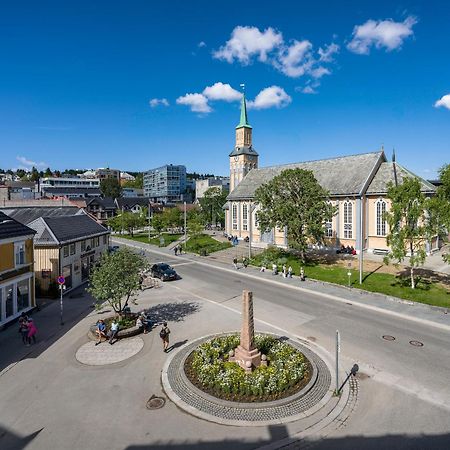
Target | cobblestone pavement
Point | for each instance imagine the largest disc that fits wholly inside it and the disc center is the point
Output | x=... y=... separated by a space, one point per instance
x=104 y=353
x=187 y=396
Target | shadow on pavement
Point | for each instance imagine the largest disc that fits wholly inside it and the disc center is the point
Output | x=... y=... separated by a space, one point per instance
x=176 y=345
x=172 y=312
x=75 y=307
x=11 y=441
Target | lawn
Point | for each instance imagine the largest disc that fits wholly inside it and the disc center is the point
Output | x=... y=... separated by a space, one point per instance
x=204 y=244
x=394 y=285
x=154 y=240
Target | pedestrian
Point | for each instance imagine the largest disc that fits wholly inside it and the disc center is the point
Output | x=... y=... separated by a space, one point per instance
x=302 y=274
x=180 y=249
x=290 y=271
x=245 y=262
x=283 y=271
x=147 y=321
x=32 y=330
x=114 y=330
x=140 y=323
x=263 y=268
x=175 y=250
x=100 y=331
x=274 y=269
x=164 y=335
x=23 y=328
x=235 y=263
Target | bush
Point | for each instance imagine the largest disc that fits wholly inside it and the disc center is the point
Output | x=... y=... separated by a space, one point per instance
x=209 y=366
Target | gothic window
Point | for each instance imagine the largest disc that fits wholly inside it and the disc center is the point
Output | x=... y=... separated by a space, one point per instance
x=244 y=217
x=234 y=216
x=348 y=220
x=380 y=206
x=329 y=226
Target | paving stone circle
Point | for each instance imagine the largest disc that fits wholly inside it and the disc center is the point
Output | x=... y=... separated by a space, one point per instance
x=104 y=353
x=189 y=397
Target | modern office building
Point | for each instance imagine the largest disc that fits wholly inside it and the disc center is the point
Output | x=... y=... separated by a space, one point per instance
x=73 y=182
x=166 y=184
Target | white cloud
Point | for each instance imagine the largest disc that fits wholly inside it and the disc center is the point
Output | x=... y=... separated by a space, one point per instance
x=246 y=42
x=443 y=102
x=154 y=102
x=308 y=90
x=319 y=72
x=382 y=33
x=273 y=96
x=197 y=102
x=27 y=164
x=295 y=60
x=201 y=44
x=220 y=91
x=326 y=54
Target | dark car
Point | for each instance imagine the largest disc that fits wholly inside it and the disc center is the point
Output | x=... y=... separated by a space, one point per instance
x=163 y=271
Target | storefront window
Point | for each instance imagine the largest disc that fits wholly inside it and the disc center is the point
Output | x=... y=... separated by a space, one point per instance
x=67 y=274
x=9 y=304
x=23 y=294
x=84 y=269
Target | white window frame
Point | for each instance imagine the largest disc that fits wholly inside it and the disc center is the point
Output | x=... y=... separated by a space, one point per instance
x=234 y=220
x=348 y=219
x=380 y=222
x=20 y=254
x=244 y=217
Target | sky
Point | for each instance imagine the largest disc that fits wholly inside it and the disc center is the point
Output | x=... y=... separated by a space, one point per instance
x=135 y=85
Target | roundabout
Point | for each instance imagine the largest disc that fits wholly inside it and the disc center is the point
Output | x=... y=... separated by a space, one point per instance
x=315 y=396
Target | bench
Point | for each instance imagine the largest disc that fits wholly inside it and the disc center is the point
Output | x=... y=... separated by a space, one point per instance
x=380 y=251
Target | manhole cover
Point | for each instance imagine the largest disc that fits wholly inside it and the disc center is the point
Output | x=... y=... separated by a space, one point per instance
x=388 y=338
x=155 y=402
x=416 y=343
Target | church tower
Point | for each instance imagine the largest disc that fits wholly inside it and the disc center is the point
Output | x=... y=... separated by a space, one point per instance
x=243 y=158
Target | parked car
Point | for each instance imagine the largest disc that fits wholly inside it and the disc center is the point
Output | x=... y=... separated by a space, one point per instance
x=113 y=248
x=163 y=271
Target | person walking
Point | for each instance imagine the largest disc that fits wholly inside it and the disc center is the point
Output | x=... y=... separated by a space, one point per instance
x=175 y=250
x=100 y=331
x=23 y=328
x=245 y=262
x=164 y=335
x=302 y=274
x=290 y=272
x=32 y=330
x=114 y=330
x=180 y=249
x=283 y=270
x=274 y=269
x=235 y=263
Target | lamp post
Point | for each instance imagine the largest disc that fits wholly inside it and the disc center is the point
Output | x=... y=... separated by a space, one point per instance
x=184 y=227
x=149 y=219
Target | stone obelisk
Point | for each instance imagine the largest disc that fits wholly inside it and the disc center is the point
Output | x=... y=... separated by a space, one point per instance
x=246 y=355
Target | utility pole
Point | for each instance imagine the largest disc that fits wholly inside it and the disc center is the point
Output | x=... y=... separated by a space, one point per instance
x=185 y=227
x=149 y=219
x=338 y=350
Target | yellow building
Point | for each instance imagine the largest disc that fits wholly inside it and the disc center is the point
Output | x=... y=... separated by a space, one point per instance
x=357 y=185
x=16 y=269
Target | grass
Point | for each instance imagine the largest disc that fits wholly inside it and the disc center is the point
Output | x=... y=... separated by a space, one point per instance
x=155 y=240
x=394 y=285
x=204 y=244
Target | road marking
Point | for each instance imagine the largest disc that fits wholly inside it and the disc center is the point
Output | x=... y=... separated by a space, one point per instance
x=319 y=294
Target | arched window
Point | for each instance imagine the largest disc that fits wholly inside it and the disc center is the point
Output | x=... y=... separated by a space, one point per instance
x=380 y=209
x=245 y=217
x=348 y=220
x=234 y=216
x=329 y=226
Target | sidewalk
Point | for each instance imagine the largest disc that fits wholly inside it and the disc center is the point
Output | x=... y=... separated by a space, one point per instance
x=418 y=312
x=76 y=305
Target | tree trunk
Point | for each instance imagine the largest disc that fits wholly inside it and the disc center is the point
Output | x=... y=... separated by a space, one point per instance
x=412 y=278
x=413 y=286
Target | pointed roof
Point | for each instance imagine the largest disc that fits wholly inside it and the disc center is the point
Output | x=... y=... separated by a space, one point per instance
x=244 y=119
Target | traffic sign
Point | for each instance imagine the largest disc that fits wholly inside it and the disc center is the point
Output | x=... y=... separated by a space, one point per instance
x=61 y=280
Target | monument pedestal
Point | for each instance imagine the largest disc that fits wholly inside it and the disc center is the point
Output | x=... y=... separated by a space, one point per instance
x=247 y=359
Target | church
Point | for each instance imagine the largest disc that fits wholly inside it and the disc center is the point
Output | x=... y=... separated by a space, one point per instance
x=357 y=186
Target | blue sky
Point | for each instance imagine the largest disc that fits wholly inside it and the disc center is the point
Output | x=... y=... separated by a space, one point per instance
x=323 y=80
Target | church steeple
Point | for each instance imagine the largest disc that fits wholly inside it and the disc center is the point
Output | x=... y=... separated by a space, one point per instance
x=243 y=130
x=244 y=157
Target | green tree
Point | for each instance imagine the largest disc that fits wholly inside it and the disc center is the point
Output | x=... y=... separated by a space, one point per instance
x=116 y=280
x=409 y=225
x=137 y=183
x=48 y=172
x=110 y=187
x=115 y=223
x=172 y=217
x=295 y=200
x=158 y=222
x=212 y=205
x=131 y=221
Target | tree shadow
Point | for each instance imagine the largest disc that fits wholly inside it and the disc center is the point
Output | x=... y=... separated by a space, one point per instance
x=428 y=275
x=172 y=312
x=10 y=440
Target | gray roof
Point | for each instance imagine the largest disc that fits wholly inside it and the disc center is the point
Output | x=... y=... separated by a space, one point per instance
x=395 y=173
x=129 y=202
x=105 y=202
x=346 y=175
x=27 y=215
x=65 y=229
x=86 y=191
x=12 y=228
x=244 y=151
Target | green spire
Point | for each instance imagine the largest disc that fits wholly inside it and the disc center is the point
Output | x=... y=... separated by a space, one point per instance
x=244 y=120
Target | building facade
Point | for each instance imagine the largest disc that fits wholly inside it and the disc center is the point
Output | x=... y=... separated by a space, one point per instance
x=16 y=269
x=357 y=186
x=166 y=184
x=73 y=182
x=201 y=186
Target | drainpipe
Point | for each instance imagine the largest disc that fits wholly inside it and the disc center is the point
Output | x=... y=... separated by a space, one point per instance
x=361 y=239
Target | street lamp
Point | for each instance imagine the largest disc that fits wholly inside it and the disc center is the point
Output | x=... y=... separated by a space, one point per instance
x=184 y=227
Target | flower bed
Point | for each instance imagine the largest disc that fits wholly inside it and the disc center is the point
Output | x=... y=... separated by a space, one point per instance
x=287 y=372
